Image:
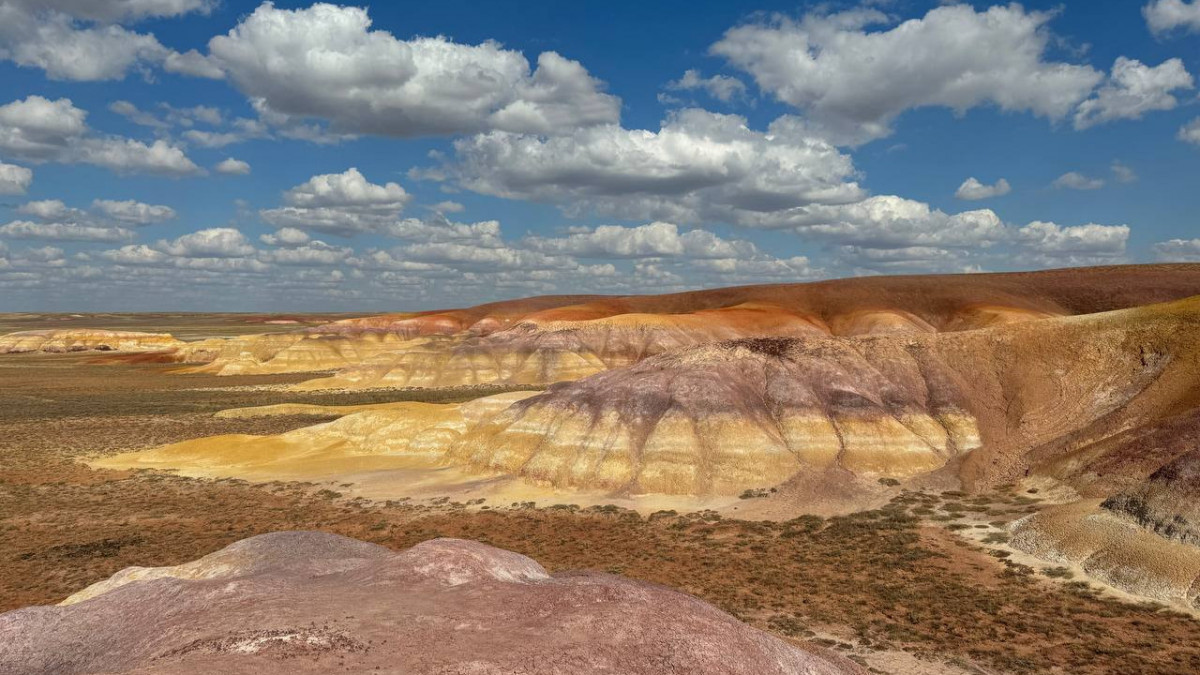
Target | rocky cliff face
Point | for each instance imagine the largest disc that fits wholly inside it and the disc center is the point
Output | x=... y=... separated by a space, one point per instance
x=1168 y=502
x=307 y=602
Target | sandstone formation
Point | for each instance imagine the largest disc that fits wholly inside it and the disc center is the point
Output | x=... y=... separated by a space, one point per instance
x=844 y=306
x=982 y=407
x=307 y=602
x=84 y=340
x=750 y=413
x=295 y=352
x=723 y=418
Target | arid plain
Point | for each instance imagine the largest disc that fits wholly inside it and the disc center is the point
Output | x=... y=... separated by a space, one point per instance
x=956 y=474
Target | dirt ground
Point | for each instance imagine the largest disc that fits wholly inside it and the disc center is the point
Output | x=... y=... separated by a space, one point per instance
x=897 y=588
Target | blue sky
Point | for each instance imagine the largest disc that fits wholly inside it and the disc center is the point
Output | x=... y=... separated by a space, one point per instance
x=197 y=155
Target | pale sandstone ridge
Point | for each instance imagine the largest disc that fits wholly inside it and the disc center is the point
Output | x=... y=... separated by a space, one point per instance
x=948 y=302
x=550 y=339
x=1114 y=549
x=308 y=409
x=394 y=436
x=84 y=340
x=296 y=352
x=307 y=602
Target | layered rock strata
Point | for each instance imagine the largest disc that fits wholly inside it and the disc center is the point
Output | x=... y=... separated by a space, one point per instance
x=560 y=338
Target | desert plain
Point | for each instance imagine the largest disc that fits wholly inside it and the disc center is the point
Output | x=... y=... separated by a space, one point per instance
x=966 y=474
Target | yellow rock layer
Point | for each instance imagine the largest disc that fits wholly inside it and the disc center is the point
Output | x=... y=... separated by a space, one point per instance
x=718 y=455
x=397 y=435
x=557 y=345
x=285 y=409
x=77 y=340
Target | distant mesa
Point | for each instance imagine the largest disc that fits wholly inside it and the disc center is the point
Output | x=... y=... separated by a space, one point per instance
x=85 y=340
x=307 y=602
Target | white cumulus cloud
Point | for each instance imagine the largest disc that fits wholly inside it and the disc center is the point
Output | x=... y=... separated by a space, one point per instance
x=1164 y=16
x=720 y=87
x=117 y=10
x=133 y=212
x=51 y=209
x=653 y=240
x=14 y=180
x=1190 y=132
x=40 y=130
x=340 y=203
x=1089 y=241
x=83 y=39
x=1133 y=90
x=1178 y=250
x=24 y=229
x=313 y=253
x=700 y=166
x=232 y=167
x=286 y=237
x=972 y=189
x=889 y=221
x=1073 y=180
x=853 y=81
x=216 y=242
x=324 y=62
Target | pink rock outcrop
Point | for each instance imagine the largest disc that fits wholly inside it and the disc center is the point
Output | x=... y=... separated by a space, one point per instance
x=309 y=602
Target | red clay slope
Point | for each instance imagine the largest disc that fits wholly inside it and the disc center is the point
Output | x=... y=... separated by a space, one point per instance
x=944 y=302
